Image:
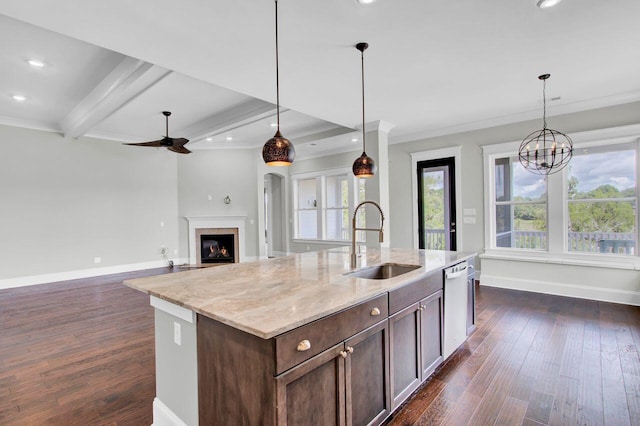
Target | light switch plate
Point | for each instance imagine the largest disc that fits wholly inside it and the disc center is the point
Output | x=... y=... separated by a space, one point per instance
x=469 y=212
x=469 y=220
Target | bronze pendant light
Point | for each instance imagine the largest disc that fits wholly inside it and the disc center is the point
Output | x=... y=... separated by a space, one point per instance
x=545 y=151
x=278 y=151
x=364 y=166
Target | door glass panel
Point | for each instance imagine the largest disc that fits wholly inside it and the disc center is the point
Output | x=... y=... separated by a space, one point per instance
x=433 y=209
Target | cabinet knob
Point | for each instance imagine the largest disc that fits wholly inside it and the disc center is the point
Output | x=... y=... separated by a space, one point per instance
x=304 y=345
x=375 y=312
x=343 y=354
x=422 y=307
x=349 y=349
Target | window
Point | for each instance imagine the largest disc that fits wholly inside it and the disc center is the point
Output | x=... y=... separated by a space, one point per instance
x=520 y=206
x=324 y=204
x=589 y=208
x=307 y=213
x=602 y=201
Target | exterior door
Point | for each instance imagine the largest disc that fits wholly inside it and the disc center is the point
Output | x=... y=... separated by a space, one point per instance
x=436 y=204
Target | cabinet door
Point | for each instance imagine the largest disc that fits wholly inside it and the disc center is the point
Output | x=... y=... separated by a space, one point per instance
x=431 y=328
x=313 y=393
x=404 y=334
x=367 y=376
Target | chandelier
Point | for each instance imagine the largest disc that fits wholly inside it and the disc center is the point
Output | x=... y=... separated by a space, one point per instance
x=545 y=151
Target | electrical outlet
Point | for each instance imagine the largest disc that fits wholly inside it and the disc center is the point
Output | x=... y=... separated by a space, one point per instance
x=177 y=335
x=97 y=260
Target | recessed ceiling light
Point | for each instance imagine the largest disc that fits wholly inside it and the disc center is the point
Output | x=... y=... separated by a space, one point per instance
x=354 y=139
x=19 y=98
x=209 y=139
x=229 y=138
x=274 y=124
x=543 y=4
x=35 y=63
x=365 y=1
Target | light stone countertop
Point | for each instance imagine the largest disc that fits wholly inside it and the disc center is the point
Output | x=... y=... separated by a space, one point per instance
x=271 y=296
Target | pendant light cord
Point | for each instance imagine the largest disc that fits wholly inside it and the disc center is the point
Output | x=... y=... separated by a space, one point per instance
x=544 y=103
x=363 y=132
x=277 y=73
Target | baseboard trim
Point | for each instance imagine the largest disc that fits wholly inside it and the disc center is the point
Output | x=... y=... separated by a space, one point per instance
x=77 y=274
x=163 y=416
x=625 y=297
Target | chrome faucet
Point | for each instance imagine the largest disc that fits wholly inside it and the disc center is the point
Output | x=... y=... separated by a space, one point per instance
x=354 y=228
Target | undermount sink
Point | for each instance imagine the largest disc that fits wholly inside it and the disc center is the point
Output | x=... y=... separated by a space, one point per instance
x=383 y=271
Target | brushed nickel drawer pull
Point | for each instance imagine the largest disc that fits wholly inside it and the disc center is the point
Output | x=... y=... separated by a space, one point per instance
x=375 y=312
x=304 y=345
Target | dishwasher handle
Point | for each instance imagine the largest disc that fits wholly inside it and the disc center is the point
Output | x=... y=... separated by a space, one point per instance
x=453 y=275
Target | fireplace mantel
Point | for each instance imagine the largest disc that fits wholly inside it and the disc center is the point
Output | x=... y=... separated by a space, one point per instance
x=199 y=222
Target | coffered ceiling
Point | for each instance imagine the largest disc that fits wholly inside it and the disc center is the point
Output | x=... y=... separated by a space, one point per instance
x=432 y=68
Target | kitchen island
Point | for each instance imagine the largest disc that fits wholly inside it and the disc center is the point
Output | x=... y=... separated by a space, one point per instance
x=298 y=339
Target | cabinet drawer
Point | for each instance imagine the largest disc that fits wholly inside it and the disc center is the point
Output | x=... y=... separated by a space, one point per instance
x=304 y=342
x=415 y=290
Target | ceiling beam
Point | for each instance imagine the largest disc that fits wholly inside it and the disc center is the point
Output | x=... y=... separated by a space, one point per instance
x=127 y=81
x=242 y=115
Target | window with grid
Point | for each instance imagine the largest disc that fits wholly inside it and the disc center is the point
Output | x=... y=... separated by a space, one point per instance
x=602 y=200
x=323 y=204
x=520 y=206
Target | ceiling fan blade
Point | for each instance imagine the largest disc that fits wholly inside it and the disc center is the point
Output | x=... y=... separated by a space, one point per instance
x=152 y=143
x=179 y=149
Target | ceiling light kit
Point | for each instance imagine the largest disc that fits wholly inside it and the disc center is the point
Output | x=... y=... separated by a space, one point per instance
x=545 y=151
x=172 y=144
x=364 y=166
x=278 y=151
x=543 y=4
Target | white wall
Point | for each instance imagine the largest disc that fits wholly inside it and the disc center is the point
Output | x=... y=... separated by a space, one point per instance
x=64 y=202
x=218 y=173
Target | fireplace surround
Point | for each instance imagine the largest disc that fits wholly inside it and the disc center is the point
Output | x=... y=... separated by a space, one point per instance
x=214 y=227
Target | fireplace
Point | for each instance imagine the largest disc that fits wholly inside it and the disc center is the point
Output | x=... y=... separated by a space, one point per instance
x=214 y=227
x=217 y=248
x=217 y=245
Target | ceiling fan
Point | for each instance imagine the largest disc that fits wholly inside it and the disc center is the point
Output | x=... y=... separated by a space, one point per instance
x=172 y=144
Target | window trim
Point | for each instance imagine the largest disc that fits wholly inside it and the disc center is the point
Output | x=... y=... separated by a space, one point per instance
x=557 y=251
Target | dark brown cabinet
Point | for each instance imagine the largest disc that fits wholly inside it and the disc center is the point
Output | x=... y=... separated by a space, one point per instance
x=416 y=345
x=352 y=368
x=404 y=332
x=345 y=385
x=431 y=332
x=333 y=371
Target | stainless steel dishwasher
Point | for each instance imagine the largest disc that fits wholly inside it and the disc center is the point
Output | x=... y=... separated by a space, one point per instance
x=455 y=307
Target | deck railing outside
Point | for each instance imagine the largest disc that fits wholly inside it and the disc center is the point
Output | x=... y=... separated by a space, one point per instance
x=585 y=242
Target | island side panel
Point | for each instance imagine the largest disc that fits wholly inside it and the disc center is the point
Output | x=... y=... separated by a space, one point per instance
x=235 y=376
x=176 y=370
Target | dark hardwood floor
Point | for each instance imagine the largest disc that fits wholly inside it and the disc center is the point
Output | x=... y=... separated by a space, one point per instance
x=537 y=360
x=77 y=353
x=82 y=352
